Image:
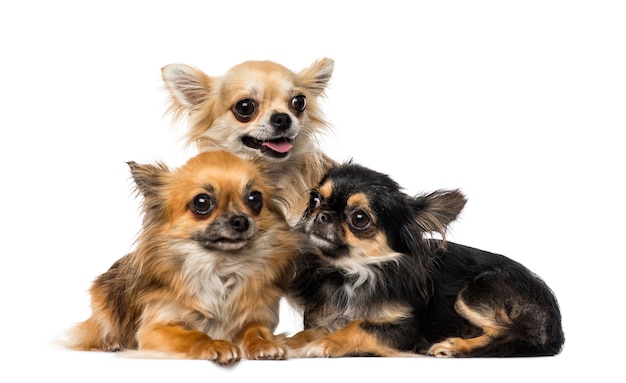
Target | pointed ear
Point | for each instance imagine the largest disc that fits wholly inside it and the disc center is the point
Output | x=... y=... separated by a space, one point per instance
x=435 y=211
x=148 y=178
x=316 y=77
x=188 y=86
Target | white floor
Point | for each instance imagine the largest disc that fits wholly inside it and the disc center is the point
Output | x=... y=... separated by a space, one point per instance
x=47 y=362
x=30 y=354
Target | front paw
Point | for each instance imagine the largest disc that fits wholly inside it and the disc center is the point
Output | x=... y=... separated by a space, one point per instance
x=222 y=352
x=446 y=349
x=323 y=348
x=110 y=344
x=265 y=349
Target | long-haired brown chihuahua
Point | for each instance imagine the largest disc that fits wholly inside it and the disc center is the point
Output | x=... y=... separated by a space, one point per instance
x=258 y=108
x=208 y=271
x=382 y=285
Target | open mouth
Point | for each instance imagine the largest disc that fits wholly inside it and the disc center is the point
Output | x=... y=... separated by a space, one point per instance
x=276 y=148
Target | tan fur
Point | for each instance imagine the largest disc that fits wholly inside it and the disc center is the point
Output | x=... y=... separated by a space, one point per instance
x=350 y=340
x=489 y=321
x=208 y=102
x=176 y=296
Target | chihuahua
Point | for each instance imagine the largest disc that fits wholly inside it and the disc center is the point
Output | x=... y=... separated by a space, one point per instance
x=258 y=108
x=209 y=269
x=386 y=282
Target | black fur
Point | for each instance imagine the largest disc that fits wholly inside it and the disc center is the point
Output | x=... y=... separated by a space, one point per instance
x=427 y=279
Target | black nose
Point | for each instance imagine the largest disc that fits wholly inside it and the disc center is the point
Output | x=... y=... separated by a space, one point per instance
x=323 y=223
x=239 y=223
x=323 y=217
x=281 y=121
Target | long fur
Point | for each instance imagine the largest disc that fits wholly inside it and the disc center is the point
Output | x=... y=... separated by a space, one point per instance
x=272 y=128
x=209 y=268
x=381 y=285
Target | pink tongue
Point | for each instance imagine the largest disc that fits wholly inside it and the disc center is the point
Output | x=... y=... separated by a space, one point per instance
x=280 y=147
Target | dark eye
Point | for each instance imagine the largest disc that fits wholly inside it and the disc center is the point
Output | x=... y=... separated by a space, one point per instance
x=298 y=103
x=255 y=201
x=244 y=110
x=202 y=204
x=360 y=220
x=315 y=201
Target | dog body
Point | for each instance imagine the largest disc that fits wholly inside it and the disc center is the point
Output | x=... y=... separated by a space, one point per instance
x=258 y=108
x=380 y=285
x=208 y=271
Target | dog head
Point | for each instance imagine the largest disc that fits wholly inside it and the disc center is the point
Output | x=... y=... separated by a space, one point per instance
x=357 y=216
x=257 y=107
x=216 y=201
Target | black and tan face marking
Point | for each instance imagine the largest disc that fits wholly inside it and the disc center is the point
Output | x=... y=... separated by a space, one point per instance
x=343 y=225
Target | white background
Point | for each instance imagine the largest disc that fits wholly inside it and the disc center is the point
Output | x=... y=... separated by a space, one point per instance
x=520 y=104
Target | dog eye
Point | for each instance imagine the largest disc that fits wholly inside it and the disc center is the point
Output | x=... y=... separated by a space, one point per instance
x=244 y=110
x=315 y=201
x=360 y=220
x=298 y=103
x=255 y=201
x=202 y=204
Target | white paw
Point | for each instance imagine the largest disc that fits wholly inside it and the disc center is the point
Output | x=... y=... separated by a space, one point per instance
x=315 y=350
x=445 y=349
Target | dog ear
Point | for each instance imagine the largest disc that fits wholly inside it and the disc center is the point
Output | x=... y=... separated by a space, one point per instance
x=148 y=178
x=188 y=86
x=436 y=210
x=316 y=77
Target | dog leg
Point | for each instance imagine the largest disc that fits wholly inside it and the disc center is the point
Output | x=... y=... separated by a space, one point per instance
x=258 y=342
x=88 y=335
x=350 y=340
x=493 y=323
x=297 y=342
x=304 y=337
x=190 y=343
x=452 y=347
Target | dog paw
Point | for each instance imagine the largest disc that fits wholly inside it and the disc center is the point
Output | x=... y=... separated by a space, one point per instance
x=445 y=349
x=220 y=351
x=110 y=344
x=265 y=349
x=323 y=348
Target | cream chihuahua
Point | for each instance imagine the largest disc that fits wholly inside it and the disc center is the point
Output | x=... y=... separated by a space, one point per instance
x=258 y=108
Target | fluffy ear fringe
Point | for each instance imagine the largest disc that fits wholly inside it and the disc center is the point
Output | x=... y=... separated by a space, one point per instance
x=147 y=177
x=188 y=88
x=188 y=85
x=316 y=77
x=436 y=210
